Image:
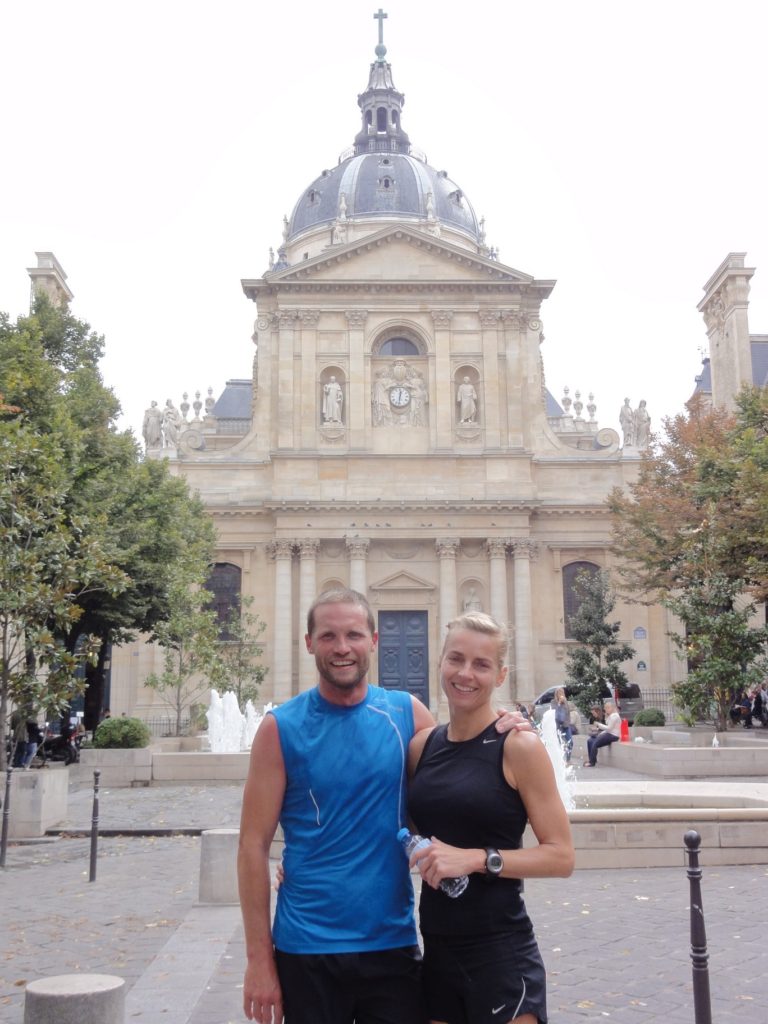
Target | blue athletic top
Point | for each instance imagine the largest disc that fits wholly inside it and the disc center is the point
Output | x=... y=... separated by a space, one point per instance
x=347 y=885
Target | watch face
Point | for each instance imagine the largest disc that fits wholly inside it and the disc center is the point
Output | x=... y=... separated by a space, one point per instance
x=493 y=862
x=399 y=397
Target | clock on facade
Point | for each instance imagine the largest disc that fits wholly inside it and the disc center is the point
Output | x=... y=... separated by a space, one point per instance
x=399 y=397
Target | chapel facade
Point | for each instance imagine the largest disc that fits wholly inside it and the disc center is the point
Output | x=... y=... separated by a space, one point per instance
x=397 y=436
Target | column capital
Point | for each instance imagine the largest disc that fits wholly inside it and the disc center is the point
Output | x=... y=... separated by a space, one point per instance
x=497 y=547
x=489 y=317
x=524 y=547
x=286 y=318
x=357 y=547
x=356 y=317
x=309 y=317
x=308 y=548
x=281 y=549
x=442 y=317
x=447 y=547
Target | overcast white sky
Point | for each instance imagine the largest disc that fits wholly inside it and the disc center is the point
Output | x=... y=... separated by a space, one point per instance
x=616 y=146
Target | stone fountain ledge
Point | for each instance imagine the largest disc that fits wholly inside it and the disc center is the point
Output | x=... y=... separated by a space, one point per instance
x=641 y=824
x=681 y=760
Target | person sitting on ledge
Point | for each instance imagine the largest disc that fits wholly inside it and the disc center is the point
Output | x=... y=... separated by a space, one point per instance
x=608 y=732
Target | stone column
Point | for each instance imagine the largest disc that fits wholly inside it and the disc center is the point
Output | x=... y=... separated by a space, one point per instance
x=441 y=419
x=524 y=551
x=282 y=552
x=304 y=423
x=355 y=414
x=497 y=556
x=286 y=397
x=490 y=400
x=308 y=550
x=358 y=553
x=447 y=549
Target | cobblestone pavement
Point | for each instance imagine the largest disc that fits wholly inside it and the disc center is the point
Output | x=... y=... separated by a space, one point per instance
x=616 y=943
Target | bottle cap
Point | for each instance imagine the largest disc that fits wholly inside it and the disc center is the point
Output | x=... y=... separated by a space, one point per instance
x=403 y=834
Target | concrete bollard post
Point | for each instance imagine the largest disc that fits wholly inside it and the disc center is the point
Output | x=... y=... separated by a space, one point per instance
x=218 y=866
x=75 y=999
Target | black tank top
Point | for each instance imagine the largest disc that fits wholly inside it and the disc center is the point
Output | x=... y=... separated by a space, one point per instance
x=459 y=795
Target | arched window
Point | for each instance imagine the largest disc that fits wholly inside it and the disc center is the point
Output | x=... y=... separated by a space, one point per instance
x=571 y=597
x=381 y=119
x=368 y=117
x=224 y=583
x=398 y=347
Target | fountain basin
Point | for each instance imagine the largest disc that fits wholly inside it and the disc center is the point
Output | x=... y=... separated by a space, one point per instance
x=682 y=760
x=641 y=824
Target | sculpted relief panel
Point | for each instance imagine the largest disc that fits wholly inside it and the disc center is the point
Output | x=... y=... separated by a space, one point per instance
x=399 y=396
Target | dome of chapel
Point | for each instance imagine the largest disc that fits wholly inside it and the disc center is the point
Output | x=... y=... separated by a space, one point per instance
x=383 y=178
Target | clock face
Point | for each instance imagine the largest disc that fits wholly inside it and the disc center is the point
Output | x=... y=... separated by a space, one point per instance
x=399 y=397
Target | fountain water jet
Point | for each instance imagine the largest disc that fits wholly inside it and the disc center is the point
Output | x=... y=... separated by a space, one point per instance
x=563 y=772
x=229 y=730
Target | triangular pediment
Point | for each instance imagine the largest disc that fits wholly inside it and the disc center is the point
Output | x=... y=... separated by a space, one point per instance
x=396 y=254
x=402 y=581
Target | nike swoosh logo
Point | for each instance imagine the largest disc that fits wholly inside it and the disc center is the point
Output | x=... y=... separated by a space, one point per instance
x=498 y=1009
x=484 y=742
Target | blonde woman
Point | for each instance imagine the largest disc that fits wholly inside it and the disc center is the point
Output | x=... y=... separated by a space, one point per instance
x=472 y=791
x=607 y=732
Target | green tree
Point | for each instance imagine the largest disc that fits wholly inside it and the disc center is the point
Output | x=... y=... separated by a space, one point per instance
x=692 y=534
x=47 y=564
x=140 y=517
x=239 y=667
x=725 y=653
x=189 y=639
x=596 y=662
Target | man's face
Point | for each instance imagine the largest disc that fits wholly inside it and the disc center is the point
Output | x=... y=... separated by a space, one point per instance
x=342 y=643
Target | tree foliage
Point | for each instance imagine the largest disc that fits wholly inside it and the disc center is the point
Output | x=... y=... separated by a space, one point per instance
x=48 y=562
x=239 y=667
x=693 y=533
x=108 y=510
x=189 y=639
x=596 y=663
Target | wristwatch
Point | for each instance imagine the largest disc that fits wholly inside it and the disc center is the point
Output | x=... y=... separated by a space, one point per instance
x=494 y=862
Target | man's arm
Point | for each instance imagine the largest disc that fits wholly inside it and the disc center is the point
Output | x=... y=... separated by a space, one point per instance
x=262 y=801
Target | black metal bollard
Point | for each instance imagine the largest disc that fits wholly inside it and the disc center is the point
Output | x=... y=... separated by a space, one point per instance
x=94 y=825
x=6 y=815
x=702 y=1005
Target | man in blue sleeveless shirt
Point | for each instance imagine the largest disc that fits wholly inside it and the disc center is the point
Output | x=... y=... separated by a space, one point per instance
x=330 y=766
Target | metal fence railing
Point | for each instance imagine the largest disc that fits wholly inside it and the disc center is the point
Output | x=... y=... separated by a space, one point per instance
x=166 y=726
x=661 y=698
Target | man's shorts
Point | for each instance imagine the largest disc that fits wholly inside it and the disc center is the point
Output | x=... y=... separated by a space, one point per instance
x=379 y=987
x=484 y=979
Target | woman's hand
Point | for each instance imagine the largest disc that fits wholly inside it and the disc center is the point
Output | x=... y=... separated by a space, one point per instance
x=439 y=860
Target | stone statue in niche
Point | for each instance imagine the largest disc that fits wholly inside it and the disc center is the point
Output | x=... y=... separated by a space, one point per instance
x=642 y=426
x=472 y=602
x=152 y=427
x=171 y=425
x=333 y=400
x=627 y=423
x=466 y=399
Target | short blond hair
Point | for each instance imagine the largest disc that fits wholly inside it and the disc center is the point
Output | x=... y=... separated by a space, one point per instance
x=480 y=622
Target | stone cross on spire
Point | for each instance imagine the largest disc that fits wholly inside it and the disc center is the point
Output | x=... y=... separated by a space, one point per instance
x=381 y=50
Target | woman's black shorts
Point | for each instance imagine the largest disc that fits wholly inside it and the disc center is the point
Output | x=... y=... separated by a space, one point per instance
x=484 y=979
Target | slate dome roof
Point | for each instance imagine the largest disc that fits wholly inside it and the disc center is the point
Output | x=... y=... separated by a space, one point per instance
x=384 y=185
x=382 y=176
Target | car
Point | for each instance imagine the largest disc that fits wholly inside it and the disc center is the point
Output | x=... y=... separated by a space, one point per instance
x=630 y=700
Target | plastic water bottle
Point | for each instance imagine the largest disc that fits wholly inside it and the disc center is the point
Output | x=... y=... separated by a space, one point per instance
x=452 y=887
